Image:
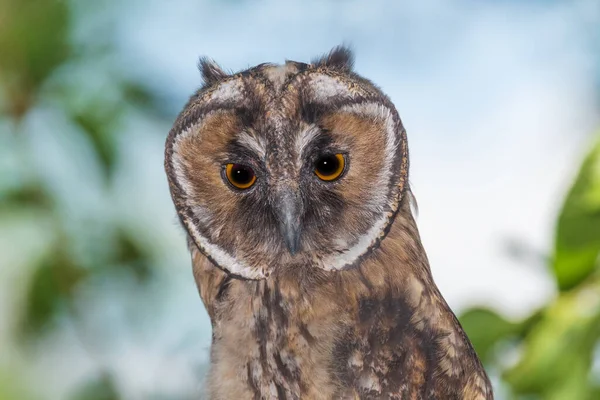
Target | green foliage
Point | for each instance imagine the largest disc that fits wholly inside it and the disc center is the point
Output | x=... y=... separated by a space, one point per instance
x=578 y=231
x=100 y=388
x=30 y=56
x=99 y=113
x=50 y=293
x=41 y=63
x=96 y=122
x=132 y=256
x=557 y=353
x=12 y=387
x=555 y=344
x=25 y=196
x=486 y=328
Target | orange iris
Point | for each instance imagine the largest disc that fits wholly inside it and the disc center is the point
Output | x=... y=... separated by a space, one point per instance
x=240 y=176
x=329 y=167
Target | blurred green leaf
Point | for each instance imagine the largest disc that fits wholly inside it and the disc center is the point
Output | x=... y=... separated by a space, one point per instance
x=145 y=98
x=100 y=388
x=97 y=121
x=12 y=387
x=50 y=290
x=138 y=94
x=29 y=56
x=26 y=196
x=485 y=328
x=577 y=242
x=133 y=256
x=557 y=352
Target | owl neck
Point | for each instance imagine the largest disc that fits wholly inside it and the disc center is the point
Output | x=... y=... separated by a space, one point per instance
x=398 y=269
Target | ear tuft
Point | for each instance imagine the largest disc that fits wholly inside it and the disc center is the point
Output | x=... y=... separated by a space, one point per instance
x=340 y=57
x=210 y=70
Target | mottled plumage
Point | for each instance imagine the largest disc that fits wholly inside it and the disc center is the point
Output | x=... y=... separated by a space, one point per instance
x=316 y=289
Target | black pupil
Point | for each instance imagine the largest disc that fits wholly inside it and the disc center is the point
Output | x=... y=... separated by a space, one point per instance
x=327 y=165
x=241 y=174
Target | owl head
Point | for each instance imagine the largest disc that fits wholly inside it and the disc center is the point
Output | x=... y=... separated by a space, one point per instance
x=281 y=166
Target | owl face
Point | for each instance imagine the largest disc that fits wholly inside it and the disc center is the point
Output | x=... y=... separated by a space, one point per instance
x=286 y=165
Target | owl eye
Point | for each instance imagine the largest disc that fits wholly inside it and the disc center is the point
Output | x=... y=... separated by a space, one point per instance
x=240 y=176
x=330 y=167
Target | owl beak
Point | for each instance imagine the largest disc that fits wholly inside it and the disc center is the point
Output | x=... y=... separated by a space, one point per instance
x=289 y=212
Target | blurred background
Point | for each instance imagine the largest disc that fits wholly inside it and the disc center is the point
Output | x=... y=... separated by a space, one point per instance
x=501 y=101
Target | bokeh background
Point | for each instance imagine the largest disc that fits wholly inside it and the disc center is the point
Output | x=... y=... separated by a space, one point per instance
x=501 y=100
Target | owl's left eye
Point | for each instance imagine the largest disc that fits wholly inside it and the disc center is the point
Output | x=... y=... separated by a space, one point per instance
x=330 y=167
x=240 y=176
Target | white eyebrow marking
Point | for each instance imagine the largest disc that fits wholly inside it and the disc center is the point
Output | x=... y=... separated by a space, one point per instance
x=303 y=138
x=382 y=113
x=253 y=142
x=220 y=256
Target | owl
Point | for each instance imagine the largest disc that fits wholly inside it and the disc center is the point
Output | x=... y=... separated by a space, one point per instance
x=291 y=182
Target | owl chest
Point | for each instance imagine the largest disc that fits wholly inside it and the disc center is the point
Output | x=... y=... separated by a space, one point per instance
x=270 y=353
x=274 y=357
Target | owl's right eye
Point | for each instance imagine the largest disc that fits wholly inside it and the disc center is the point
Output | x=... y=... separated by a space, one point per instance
x=240 y=176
